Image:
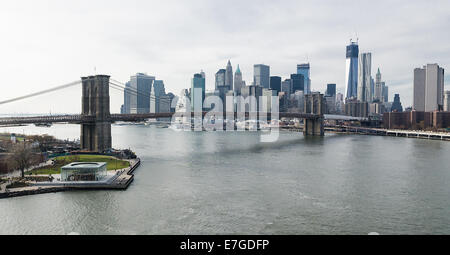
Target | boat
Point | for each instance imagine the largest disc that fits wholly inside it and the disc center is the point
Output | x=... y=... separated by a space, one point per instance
x=253 y=125
x=43 y=124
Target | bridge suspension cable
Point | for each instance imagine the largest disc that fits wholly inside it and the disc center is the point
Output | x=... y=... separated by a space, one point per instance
x=41 y=92
x=118 y=86
x=135 y=92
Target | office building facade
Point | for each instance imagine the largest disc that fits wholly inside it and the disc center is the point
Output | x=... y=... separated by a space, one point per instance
x=197 y=92
x=220 y=78
x=447 y=101
x=159 y=101
x=304 y=69
x=428 y=88
x=331 y=89
x=127 y=94
x=297 y=83
x=261 y=75
x=141 y=85
x=365 y=78
x=275 y=83
x=351 y=71
x=286 y=87
x=396 y=105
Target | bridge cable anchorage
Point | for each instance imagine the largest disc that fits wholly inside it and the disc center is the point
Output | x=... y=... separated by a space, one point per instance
x=135 y=92
x=41 y=92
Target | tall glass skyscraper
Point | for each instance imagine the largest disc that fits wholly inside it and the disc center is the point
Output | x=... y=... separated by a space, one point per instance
x=351 y=71
x=304 y=69
x=365 y=93
x=158 y=88
x=275 y=83
x=127 y=94
x=331 y=89
x=220 y=78
x=142 y=83
x=298 y=83
x=261 y=75
x=157 y=97
x=197 y=92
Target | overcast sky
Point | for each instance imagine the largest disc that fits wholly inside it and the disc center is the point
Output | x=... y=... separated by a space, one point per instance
x=48 y=43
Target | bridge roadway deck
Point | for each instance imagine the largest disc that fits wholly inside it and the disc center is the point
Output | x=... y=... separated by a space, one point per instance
x=78 y=118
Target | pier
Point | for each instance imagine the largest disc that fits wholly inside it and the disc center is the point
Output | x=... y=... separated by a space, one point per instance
x=445 y=136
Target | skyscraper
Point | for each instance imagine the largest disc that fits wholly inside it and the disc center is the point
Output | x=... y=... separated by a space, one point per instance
x=220 y=78
x=351 y=71
x=158 y=97
x=252 y=90
x=385 y=93
x=158 y=88
x=238 y=81
x=298 y=83
x=397 y=105
x=428 y=88
x=140 y=101
x=378 y=88
x=127 y=94
x=229 y=76
x=447 y=101
x=275 y=83
x=286 y=87
x=330 y=98
x=331 y=89
x=197 y=92
x=261 y=75
x=304 y=69
x=365 y=78
x=372 y=89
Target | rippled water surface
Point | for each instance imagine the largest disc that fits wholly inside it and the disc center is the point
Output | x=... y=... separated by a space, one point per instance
x=230 y=183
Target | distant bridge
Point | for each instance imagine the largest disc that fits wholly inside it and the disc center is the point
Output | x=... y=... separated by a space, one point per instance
x=79 y=119
x=95 y=118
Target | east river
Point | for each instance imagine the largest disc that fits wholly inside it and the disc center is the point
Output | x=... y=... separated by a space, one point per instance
x=231 y=183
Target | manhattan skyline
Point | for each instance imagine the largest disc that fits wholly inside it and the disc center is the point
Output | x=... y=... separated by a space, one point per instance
x=47 y=42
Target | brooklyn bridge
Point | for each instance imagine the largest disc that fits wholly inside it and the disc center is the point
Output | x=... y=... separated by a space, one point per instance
x=96 y=119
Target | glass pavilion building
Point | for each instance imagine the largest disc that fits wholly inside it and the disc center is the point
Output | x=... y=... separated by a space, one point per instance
x=84 y=171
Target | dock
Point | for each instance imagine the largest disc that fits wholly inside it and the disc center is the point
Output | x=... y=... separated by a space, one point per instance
x=444 y=136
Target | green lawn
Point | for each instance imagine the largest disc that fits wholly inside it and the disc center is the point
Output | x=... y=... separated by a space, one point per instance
x=112 y=163
x=7 y=137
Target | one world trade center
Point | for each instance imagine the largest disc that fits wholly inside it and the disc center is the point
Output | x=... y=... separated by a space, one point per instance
x=351 y=71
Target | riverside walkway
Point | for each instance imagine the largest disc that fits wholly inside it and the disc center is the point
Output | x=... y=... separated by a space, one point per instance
x=391 y=132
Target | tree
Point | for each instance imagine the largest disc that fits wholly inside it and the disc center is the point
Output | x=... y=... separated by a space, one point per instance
x=22 y=155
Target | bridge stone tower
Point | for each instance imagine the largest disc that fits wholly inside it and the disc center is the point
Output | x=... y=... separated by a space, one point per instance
x=314 y=104
x=95 y=135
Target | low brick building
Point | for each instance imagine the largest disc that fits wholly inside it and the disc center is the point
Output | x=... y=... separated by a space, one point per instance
x=416 y=120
